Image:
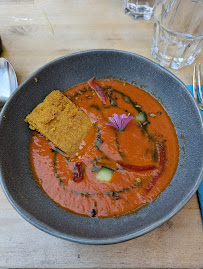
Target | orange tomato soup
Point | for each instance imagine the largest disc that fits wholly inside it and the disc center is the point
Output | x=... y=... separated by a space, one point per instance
x=143 y=157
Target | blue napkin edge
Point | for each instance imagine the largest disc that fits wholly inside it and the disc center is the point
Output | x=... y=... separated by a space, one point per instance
x=200 y=189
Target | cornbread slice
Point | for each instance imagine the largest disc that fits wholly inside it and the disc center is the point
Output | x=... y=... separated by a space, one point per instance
x=60 y=121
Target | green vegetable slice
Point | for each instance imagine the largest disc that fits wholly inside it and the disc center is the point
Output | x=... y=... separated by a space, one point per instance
x=104 y=174
x=141 y=116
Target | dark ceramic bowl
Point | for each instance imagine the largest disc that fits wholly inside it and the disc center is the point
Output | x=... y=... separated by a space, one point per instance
x=29 y=200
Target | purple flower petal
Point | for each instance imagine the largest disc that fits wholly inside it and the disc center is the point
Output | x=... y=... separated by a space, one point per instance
x=119 y=121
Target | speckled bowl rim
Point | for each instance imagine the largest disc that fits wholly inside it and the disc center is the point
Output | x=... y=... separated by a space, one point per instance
x=46 y=228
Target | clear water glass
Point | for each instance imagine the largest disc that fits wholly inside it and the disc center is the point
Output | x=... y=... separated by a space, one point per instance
x=178 y=32
x=139 y=9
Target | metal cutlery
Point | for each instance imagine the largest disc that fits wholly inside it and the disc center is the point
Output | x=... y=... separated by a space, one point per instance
x=8 y=79
x=197 y=91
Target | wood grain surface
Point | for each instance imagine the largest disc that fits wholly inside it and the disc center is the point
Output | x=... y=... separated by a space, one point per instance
x=34 y=33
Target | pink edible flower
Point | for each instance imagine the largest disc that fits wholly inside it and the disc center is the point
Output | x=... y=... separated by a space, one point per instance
x=119 y=121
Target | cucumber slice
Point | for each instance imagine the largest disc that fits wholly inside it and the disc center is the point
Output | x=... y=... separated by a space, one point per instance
x=104 y=174
x=141 y=116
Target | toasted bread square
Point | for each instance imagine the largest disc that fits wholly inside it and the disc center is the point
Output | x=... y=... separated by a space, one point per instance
x=60 y=121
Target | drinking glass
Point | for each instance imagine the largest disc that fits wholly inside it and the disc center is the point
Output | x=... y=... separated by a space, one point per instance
x=139 y=9
x=178 y=32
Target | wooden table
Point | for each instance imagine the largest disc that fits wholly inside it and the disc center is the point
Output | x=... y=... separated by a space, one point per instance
x=34 y=33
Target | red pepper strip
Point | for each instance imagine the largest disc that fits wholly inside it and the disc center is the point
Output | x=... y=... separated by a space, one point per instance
x=78 y=176
x=159 y=171
x=98 y=90
x=137 y=168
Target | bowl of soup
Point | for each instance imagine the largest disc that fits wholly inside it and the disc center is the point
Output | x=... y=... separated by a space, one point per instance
x=100 y=147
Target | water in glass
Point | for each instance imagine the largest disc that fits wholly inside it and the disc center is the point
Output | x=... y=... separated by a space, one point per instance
x=139 y=9
x=178 y=32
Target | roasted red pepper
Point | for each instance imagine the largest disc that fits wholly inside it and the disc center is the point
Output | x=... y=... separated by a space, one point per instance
x=78 y=175
x=98 y=90
x=137 y=168
x=162 y=161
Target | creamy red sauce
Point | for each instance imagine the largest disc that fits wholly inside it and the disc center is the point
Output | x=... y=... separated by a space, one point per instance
x=153 y=144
